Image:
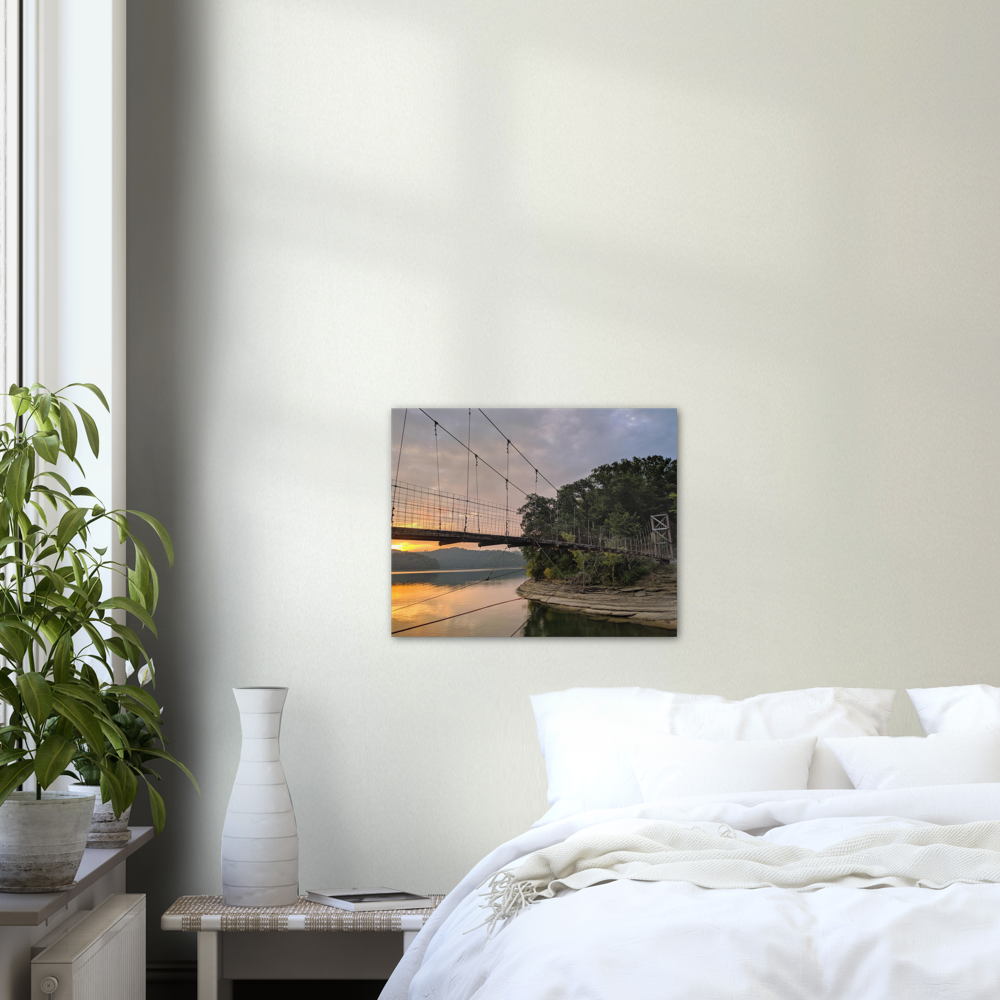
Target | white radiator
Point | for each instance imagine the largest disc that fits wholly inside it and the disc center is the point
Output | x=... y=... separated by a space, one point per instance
x=99 y=956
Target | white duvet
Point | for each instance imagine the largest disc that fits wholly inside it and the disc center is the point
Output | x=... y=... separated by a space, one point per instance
x=675 y=941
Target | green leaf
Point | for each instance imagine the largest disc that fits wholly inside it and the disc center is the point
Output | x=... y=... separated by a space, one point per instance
x=123 y=526
x=117 y=646
x=21 y=627
x=111 y=788
x=27 y=529
x=81 y=692
x=142 y=587
x=161 y=533
x=62 y=660
x=70 y=523
x=20 y=397
x=36 y=695
x=132 y=607
x=16 y=485
x=96 y=639
x=13 y=775
x=150 y=718
x=91 y=428
x=114 y=734
x=46 y=445
x=137 y=694
x=70 y=434
x=85 y=721
x=12 y=645
x=93 y=388
x=38 y=506
x=173 y=760
x=52 y=758
x=130 y=783
x=156 y=807
x=59 y=479
x=77 y=569
x=8 y=691
x=131 y=639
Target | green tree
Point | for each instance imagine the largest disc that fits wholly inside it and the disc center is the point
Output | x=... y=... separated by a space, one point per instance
x=538 y=516
x=638 y=487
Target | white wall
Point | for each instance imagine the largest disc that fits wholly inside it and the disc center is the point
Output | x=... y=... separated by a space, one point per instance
x=780 y=218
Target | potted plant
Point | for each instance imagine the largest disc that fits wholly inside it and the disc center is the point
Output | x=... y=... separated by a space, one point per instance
x=108 y=830
x=57 y=639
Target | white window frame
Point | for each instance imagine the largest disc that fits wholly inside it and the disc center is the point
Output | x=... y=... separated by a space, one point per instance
x=10 y=198
x=62 y=224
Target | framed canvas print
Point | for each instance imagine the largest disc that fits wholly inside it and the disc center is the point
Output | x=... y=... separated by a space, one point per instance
x=534 y=522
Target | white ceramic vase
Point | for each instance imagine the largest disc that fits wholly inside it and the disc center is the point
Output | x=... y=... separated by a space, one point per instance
x=260 y=842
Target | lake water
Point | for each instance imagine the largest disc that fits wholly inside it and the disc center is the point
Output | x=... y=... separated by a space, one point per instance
x=484 y=602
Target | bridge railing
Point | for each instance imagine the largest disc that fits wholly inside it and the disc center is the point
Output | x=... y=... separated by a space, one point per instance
x=426 y=508
x=422 y=507
x=645 y=543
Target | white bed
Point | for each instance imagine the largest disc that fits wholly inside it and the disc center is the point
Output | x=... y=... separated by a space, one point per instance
x=672 y=940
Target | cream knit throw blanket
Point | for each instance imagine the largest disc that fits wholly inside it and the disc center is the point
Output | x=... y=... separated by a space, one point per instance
x=656 y=851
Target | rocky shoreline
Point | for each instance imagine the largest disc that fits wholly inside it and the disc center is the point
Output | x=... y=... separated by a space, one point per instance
x=654 y=605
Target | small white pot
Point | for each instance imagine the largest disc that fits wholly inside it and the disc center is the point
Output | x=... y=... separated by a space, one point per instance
x=105 y=831
x=42 y=840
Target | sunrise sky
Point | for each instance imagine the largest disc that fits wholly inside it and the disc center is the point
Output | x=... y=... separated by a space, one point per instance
x=563 y=444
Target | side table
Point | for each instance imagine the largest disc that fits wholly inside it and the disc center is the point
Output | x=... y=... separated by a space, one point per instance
x=237 y=942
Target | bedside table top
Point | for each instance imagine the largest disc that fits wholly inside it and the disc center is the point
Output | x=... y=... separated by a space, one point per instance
x=207 y=913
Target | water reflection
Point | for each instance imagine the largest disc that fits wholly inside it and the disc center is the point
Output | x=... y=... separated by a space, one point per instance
x=547 y=621
x=462 y=602
x=485 y=603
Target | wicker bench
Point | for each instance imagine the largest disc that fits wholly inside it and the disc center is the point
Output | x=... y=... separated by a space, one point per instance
x=236 y=942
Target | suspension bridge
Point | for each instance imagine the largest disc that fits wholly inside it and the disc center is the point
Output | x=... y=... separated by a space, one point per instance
x=426 y=514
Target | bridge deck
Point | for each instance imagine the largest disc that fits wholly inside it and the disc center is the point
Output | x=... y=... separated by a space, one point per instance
x=445 y=537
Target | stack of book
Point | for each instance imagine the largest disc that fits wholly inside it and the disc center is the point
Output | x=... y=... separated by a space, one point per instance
x=379 y=898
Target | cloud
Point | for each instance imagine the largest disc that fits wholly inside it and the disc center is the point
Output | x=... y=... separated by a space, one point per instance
x=562 y=444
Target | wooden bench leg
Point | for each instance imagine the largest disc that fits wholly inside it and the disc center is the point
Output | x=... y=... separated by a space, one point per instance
x=211 y=985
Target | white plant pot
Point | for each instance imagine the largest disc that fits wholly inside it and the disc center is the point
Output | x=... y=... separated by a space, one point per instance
x=106 y=832
x=260 y=841
x=42 y=841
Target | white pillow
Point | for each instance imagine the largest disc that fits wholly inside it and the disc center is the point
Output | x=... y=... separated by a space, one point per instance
x=586 y=734
x=879 y=762
x=956 y=709
x=671 y=766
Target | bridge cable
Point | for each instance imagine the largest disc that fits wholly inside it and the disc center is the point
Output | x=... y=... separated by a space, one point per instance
x=506 y=489
x=463 y=444
x=521 y=453
x=437 y=461
x=554 y=566
x=467 y=457
x=399 y=458
x=459 y=615
x=438 y=464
